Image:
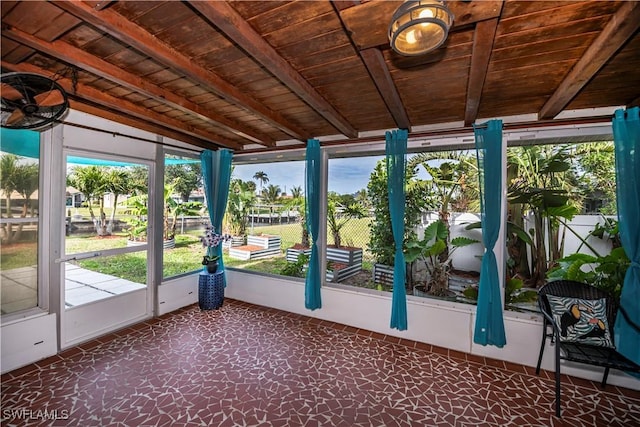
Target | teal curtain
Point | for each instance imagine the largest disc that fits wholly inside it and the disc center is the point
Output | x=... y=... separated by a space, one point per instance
x=489 y=329
x=396 y=161
x=216 y=173
x=626 y=136
x=313 y=280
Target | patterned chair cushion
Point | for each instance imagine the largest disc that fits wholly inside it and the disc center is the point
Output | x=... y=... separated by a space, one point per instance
x=580 y=320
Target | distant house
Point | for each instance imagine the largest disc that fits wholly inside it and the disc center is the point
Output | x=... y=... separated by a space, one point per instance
x=74 y=198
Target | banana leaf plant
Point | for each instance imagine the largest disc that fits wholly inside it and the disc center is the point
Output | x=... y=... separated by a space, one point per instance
x=540 y=187
x=429 y=249
x=603 y=271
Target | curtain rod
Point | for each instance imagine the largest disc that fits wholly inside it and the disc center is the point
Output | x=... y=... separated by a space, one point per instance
x=138 y=138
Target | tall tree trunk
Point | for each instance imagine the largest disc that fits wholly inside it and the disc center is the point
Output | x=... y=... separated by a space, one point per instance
x=103 y=219
x=113 y=215
x=8 y=227
x=540 y=262
x=25 y=210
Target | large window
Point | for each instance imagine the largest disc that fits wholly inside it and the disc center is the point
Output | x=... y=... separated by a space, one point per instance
x=19 y=207
x=562 y=223
x=352 y=203
x=265 y=217
x=560 y=202
x=441 y=201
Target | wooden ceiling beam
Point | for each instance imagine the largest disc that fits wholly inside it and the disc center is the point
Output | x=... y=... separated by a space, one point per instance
x=375 y=64
x=379 y=72
x=72 y=55
x=226 y=19
x=99 y=97
x=483 y=38
x=137 y=37
x=115 y=116
x=622 y=26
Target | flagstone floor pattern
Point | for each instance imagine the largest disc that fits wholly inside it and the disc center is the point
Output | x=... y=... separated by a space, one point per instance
x=245 y=365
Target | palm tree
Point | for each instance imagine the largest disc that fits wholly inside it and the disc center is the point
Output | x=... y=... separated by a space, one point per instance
x=297 y=202
x=270 y=196
x=262 y=178
x=90 y=181
x=541 y=186
x=453 y=181
x=242 y=197
x=337 y=220
x=26 y=183
x=296 y=192
x=22 y=179
x=8 y=165
x=117 y=182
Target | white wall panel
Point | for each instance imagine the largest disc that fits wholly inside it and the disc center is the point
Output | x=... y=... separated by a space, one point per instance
x=28 y=341
x=177 y=293
x=91 y=320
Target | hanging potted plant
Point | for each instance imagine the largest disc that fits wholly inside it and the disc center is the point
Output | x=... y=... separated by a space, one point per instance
x=210 y=240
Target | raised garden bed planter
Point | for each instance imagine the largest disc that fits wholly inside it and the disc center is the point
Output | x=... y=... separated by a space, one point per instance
x=295 y=251
x=262 y=246
x=383 y=274
x=343 y=262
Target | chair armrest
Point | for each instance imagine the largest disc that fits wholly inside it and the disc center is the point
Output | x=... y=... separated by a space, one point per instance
x=549 y=320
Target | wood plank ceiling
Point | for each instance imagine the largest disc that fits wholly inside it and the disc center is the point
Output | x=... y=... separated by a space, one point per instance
x=258 y=75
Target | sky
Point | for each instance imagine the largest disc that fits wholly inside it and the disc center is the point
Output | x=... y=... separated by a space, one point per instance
x=346 y=176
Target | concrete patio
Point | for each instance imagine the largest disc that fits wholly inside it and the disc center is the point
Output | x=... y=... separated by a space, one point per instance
x=82 y=286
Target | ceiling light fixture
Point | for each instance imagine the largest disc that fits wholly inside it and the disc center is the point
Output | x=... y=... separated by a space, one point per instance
x=418 y=27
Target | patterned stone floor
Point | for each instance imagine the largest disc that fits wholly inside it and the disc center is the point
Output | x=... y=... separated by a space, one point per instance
x=245 y=365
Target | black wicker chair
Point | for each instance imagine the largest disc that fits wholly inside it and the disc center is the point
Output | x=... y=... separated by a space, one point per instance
x=606 y=357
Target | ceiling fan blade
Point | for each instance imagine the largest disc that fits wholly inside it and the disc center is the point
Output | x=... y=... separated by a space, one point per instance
x=15 y=117
x=49 y=98
x=9 y=92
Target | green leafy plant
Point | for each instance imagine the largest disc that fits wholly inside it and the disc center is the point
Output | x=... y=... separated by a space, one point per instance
x=173 y=209
x=603 y=271
x=430 y=249
x=513 y=292
x=138 y=207
x=540 y=187
x=295 y=269
x=381 y=243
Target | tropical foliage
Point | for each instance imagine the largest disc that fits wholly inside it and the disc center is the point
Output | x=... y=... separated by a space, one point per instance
x=22 y=178
x=242 y=198
x=603 y=271
x=91 y=181
x=430 y=249
x=184 y=177
x=382 y=244
x=338 y=215
x=539 y=186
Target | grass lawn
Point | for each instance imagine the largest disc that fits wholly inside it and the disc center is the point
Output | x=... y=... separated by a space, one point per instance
x=185 y=257
x=18 y=255
x=354 y=233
